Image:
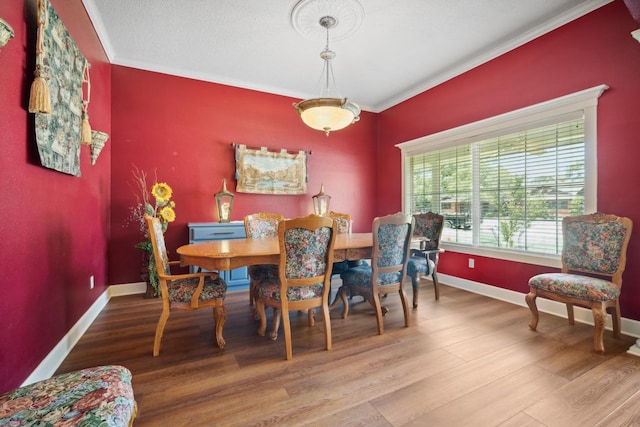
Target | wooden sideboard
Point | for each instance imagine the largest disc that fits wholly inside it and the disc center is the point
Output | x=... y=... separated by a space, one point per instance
x=208 y=231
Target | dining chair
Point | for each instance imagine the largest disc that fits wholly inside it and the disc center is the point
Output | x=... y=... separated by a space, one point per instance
x=259 y=226
x=190 y=291
x=424 y=261
x=304 y=275
x=344 y=224
x=388 y=269
x=594 y=254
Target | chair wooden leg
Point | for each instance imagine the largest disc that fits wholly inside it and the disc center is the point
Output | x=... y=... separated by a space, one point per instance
x=415 y=281
x=344 y=296
x=531 y=302
x=405 y=307
x=263 y=317
x=220 y=316
x=375 y=299
x=338 y=298
x=436 y=285
x=326 y=317
x=599 y=319
x=287 y=333
x=311 y=315
x=570 y=316
x=160 y=330
x=251 y=291
x=615 y=317
x=277 y=314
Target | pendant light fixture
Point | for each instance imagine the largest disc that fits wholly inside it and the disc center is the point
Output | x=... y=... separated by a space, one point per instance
x=329 y=112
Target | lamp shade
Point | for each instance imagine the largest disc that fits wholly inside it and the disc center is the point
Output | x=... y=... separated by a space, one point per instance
x=327 y=114
x=224 y=203
x=321 y=202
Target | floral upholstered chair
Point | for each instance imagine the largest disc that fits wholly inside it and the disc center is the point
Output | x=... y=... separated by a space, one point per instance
x=304 y=279
x=594 y=255
x=259 y=226
x=388 y=269
x=99 y=396
x=343 y=224
x=185 y=291
x=424 y=261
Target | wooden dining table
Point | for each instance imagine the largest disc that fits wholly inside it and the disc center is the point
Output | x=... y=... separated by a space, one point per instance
x=234 y=253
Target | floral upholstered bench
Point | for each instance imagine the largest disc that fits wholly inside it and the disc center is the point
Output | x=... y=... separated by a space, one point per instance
x=100 y=396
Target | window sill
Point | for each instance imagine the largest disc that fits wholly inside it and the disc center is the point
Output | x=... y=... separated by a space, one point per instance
x=527 y=258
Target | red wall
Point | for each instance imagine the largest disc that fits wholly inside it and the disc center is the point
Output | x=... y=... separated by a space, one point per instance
x=183 y=129
x=54 y=227
x=57 y=229
x=595 y=49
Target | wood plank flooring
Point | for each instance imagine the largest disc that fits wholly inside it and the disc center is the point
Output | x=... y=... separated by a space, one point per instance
x=466 y=360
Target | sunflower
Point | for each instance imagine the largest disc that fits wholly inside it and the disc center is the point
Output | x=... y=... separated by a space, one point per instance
x=161 y=191
x=168 y=214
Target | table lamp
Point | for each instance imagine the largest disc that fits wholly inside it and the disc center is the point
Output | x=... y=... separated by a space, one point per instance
x=321 y=202
x=224 y=203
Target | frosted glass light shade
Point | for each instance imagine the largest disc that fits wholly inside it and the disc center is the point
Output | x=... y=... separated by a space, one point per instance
x=328 y=114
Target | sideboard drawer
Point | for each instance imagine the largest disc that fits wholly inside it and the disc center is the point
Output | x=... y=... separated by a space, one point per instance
x=220 y=232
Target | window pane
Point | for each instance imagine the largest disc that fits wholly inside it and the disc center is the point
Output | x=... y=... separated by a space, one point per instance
x=522 y=184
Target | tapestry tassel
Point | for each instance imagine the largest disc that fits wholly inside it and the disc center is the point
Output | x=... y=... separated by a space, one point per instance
x=40 y=98
x=85 y=135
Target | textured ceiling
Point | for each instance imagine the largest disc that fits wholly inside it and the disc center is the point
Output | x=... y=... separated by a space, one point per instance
x=400 y=48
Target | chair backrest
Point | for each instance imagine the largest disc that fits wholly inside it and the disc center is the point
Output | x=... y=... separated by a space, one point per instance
x=391 y=248
x=343 y=221
x=596 y=244
x=157 y=243
x=429 y=225
x=262 y=224
x=306 y=250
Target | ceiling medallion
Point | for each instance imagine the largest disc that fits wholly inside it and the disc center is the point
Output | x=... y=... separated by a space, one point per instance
x=307 y=13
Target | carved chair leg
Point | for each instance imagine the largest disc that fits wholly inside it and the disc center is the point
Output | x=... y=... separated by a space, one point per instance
x=615 y=317
x=251 y=291
x=327 y=326
x=286 y=323
x=220 y=317
x=344 y=296
x=160 y=330
x=570 y=316
x=531 y=302
x=436 y=284
x=311 y=314
x=599 y=319
x=375 y=301
x=415 y=280
x=277 y=314
x=254 y=297
x=405 y=307
x=263 y=317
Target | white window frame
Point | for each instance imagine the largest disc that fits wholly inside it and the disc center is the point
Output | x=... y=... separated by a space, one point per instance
x=585 y=101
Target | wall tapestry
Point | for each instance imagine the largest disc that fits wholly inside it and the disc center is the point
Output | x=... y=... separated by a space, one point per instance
x=58 y=133
x=270 y=172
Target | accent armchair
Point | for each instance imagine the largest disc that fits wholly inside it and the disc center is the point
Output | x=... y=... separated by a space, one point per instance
x=594 y=254
x=185 y=291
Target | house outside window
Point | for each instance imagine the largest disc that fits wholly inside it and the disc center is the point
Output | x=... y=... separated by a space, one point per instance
x=504 y=184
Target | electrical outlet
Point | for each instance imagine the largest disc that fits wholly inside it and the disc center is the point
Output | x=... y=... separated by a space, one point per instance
x=472 y=263
x=91 y=282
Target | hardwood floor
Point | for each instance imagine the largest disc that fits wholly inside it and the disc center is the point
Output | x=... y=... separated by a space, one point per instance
x=465 y=360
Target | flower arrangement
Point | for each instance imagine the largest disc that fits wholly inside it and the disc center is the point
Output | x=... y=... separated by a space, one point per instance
x=156 y=203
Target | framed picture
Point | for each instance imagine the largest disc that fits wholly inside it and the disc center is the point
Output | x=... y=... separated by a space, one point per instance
x=270 y=172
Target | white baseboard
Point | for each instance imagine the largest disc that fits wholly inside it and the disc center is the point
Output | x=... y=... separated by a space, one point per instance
x=52 y=361
x=582 y=315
